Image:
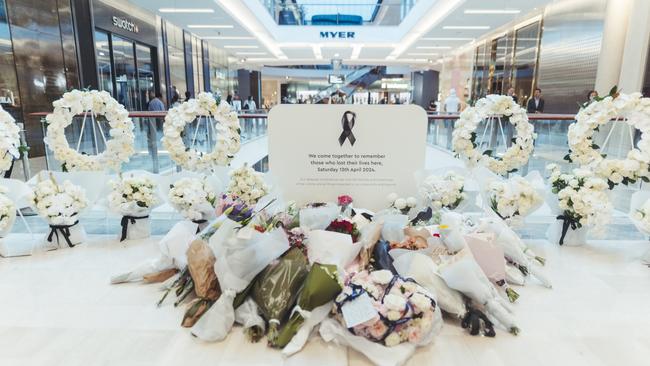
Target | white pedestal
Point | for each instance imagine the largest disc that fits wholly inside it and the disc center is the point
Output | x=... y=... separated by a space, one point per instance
x=572 y=238
x=20 y=245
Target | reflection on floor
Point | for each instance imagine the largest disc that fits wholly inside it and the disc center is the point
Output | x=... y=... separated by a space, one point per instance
x=58 y=308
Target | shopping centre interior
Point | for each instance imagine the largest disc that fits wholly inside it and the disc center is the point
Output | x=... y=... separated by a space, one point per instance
x=516 y=101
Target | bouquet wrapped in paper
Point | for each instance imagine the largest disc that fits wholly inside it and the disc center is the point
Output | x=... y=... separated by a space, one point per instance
x=133 y=198
x=452 y=231
x=401 y=204
x=200 y=264
x=490 y=258
x=60 y=205
x=314 y=302
x=318 y=216
x=247 y=185
x=277 y=287
x=394 y=313
x=241 y=255
x=7 y=213
x=424 y=271
x=462 y=273
x=194 y=199
x=514 y=249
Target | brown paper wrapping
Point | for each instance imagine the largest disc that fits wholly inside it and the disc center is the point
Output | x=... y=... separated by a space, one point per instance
x=200 y=262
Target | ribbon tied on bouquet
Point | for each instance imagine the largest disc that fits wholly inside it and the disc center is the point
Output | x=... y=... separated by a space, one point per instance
x=566 y=223
x=199 y=223
x=125 y=223
x=64 y=230
x=347 y=122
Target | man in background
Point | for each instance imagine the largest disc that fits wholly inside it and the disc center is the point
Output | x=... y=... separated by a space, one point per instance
x=155 y=102
x=536 y=103
x=511 y=94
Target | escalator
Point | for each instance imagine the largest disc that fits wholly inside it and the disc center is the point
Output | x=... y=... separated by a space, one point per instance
x=360 y=78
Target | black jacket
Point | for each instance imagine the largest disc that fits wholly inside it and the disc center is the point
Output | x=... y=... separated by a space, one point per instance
x=531 y=106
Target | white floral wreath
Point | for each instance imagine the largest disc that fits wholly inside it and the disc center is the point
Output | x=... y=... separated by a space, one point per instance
x=629 y=108
x=9 y=140
x=98 y=103
x=227 y=128
x=493 y=106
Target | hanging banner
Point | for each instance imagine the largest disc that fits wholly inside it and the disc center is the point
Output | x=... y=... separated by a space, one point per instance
x=318 y=152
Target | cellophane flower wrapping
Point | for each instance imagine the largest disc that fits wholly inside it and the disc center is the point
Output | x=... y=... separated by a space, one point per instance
x=193 y=198
x=239 y=259
x=7 y=213
x=452 y=231
x=319 y=217
x=320 y=287
x=329 y=247
x=277 y=287
x=514 y=198
x=134 y=197
x=405 y=311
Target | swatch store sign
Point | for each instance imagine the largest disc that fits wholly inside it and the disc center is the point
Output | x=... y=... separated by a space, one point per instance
x=125 y=24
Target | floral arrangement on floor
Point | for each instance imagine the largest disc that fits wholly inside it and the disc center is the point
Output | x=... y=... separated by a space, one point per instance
x=632 y=109
x=642 y=216
x=9 y=140
x=133 y=198
x=495 y=108
x=247 y=185
x=193 y=198
x=93 y=104
x=443 y=191
x=582 y=198
x=513 y=198
x=322 y=267
x=403 y=205
x=219 y=118
x=404 y=311
x=59 y=205
x=7 y=211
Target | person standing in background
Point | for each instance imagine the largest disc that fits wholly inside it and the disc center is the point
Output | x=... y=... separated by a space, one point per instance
x=452 y=103
x=188 y=95
x=155 y=102
x=250 y=105
x=511 y=94
x=229 y=99
x=592 y=96
x=536 y=103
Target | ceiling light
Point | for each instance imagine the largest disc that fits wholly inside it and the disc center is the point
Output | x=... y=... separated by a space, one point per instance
x=466 y=27
x=250 y=53
x=241 y=46
x=492 y=11
x=186 y=10
x=422 y=54
x=433 y=47
x=229 y=38
x=446 y=39
x=211 y=26
x=337 y=55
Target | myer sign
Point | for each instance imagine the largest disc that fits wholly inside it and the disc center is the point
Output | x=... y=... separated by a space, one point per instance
x=125 y=24
x=337 y=35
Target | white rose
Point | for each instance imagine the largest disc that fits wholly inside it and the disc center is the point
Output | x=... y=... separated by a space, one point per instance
x=392 y=340
x=400 y=203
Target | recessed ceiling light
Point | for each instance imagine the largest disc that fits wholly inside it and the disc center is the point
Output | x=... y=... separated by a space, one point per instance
x=492 y=11
x=229 y=38
x=433 y=47
x=211 y=26
x=186 y=10
x=446 y=39
x=241 y=46
x=466 y=27
x=250 y=53
x=336 y=55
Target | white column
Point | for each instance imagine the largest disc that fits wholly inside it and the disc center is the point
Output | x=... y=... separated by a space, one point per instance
x=615 y=28
x=636 y=48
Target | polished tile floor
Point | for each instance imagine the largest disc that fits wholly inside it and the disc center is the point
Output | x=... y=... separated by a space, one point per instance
x=58 y=308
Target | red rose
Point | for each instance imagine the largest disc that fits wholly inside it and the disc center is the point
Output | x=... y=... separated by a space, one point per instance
x=344 y=200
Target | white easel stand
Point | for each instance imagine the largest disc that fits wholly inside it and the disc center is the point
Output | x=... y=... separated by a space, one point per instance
x=20 y=245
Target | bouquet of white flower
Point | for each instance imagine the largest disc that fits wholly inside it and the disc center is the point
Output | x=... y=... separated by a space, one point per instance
x=514 y=198
x=583 y=200
x=194 y=199
x=247 y=185
x=60 y=206
x=443 y=191
x=7 y=213
x=403 y=205
x=642 y=217
x=9 y=140
x=133 y=198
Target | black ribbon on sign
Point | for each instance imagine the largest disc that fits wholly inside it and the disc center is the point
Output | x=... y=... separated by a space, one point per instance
x=566 y=223
x=199 y=222
x=64 y=230
x=348 y=125
x=125 y=223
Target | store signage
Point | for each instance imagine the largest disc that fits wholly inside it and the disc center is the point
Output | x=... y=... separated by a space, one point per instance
x=394 y=86
x=337 y=35
x=318 y=152
x=125 y=24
